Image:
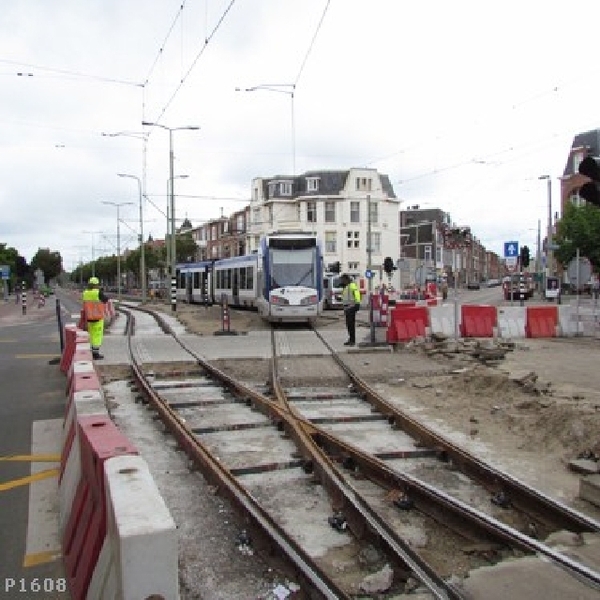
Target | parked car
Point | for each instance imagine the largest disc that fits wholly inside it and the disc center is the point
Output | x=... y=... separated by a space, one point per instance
x=493 y=282
x=473 y=285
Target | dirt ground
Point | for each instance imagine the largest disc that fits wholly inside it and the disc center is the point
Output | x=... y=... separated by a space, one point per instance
x=530 y=413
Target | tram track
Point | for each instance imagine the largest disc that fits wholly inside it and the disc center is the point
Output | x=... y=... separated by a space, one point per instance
x=342 y=468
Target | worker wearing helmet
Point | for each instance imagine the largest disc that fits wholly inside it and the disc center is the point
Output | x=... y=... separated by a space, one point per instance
x=351 y=302
x=94 y=300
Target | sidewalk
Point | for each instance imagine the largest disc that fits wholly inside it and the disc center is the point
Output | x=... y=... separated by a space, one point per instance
x=11 y=312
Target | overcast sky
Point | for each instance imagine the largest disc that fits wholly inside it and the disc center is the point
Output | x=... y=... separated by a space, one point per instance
x=464 y=104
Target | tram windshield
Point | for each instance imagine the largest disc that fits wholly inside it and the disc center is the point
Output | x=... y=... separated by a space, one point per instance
x=293 y=267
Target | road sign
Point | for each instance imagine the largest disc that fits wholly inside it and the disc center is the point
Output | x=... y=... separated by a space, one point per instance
x=511 y=249
x=368 y=274
x=579 y=275
x=5 y=271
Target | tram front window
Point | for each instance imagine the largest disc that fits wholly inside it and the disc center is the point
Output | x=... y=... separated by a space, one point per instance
x=292 y=268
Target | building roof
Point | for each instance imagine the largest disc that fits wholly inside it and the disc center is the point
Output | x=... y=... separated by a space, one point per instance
x=589 y=139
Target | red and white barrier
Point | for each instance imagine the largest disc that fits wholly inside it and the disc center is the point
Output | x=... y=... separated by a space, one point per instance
x=481 y=321
x=118 y=538
x=139 y=557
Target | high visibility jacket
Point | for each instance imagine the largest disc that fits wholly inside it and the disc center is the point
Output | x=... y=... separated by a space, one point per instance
x=351 y=294
x=93 y=307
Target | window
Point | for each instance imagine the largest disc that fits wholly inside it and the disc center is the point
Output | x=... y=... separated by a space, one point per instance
x=311 y=211
x=239 y=224
x=577 y=158
x=312 y=184
x=330 y=242
x=285 y=188
x=427 y=253
x=374 y=212
x=363 y=184
x=354 y=212
x=353 y=266
x=256 y=216
x=576 y=199
x=375 y=242
x=330 y=211
x=352 y=239
x=272 y=189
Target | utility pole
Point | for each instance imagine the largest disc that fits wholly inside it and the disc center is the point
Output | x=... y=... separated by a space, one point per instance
x=369 y=268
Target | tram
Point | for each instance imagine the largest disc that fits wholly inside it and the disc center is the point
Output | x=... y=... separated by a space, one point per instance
x=282 y=280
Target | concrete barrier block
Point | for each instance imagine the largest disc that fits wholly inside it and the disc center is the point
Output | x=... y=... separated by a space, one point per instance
x=104 y=584
x=511 y=321
x=442 y=319
x=141 y=530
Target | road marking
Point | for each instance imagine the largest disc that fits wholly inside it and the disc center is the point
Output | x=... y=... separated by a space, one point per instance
x=9 y=485
x=35 y=355
x=41 y=558
x=31 y=458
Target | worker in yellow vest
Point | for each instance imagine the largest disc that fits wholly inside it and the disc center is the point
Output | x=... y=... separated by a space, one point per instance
x=351 y=302
x=94 y=300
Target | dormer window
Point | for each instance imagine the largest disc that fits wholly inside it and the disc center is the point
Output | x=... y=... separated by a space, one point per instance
x=312 y=184
x=285 y=188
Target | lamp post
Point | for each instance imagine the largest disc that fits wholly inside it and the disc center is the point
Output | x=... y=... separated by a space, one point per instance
x=93 y=248
x=118 y=205
x=172 y=229
x=142 y=244
x=549 y=266
x=282 y=88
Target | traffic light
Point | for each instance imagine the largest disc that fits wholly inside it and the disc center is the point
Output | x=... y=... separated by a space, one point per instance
x=388 y=265
x=335 y=267
x=590 y=191
x=525 y=258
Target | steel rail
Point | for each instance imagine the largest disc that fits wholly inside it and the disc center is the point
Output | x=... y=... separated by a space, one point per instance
x=310 y=573
x=350 y=497
x=521 y=495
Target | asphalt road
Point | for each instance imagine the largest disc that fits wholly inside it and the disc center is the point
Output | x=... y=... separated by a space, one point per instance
x=32 y=404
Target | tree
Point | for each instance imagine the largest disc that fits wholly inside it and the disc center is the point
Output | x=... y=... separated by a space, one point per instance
x=185 y=248
x=579 y=227
x=50 y=263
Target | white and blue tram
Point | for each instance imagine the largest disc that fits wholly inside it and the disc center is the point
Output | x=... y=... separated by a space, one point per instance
x=283 y=280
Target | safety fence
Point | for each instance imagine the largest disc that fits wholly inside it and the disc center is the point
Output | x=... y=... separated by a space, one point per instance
x=118 y=537
x=409 y=320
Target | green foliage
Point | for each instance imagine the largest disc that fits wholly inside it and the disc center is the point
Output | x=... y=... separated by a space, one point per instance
x=50 y=263
x=579 y=227
x=185 y=247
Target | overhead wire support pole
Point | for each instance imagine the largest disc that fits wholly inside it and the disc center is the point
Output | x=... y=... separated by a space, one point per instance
x=172 y=232
x=142 y=242
x=118 y=205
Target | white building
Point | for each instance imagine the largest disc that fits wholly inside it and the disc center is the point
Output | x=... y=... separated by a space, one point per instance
x=339 y=206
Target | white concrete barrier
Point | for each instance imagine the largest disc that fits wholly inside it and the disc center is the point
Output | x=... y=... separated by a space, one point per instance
x=140 y=555
x=441 y=319
x=87 y=402
x=511 y=321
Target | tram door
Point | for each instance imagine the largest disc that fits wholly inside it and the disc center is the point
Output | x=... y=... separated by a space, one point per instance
x=189 y=281
x=235 y=286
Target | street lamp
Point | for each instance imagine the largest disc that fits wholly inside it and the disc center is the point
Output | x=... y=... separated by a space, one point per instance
x=93 y=247
x=142 y=244
x=549 y=265
x=118 y=205
x=282 y=88
x=172 y=205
